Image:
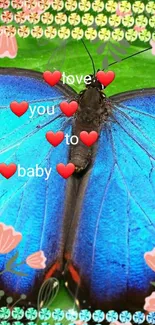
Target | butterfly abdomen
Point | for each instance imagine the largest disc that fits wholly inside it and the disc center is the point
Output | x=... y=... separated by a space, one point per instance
x=92 y=112
x=80 y=154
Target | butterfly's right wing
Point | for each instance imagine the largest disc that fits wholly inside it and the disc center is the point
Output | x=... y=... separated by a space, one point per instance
x=113 y=222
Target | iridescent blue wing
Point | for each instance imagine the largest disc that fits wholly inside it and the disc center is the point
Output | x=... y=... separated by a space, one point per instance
x=113 y=224
x=33 y=206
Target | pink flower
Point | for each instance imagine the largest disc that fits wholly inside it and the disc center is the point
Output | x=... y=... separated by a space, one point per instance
x=150 y=303
x=36 y=9
x=150 y=259
x=138 y=29
x=121 y=13
x=9 y=238
x=152 y=43
x=8 y=45
x=17 y=4
x=37 y=260
x=4 y=4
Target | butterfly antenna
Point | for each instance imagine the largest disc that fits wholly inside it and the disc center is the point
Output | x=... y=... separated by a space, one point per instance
x=89 y=56
x=131 y=56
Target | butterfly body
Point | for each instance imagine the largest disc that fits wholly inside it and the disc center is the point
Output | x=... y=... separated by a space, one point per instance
x=94 y=109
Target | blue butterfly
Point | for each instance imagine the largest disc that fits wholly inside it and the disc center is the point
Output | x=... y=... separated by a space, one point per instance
x=94 y=229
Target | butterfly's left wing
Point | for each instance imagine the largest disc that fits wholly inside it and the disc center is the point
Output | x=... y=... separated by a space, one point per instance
x=114 y=218
x=32 y=205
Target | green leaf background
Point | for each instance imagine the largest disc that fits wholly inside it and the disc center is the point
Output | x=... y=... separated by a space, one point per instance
x=75 y=60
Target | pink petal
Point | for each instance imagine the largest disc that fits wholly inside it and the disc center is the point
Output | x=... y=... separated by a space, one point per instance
x=150 y=303
x=138 y=29
x=121 y=13
x=13 y=244
x=8 y=46
x=36 y=9
x=38 y=265
x=152 y=43
x=13 y=48
x=37 y=260
x=9 y=238
x=150 y=259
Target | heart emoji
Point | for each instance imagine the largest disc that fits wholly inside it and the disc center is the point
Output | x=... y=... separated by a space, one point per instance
x=19 y=108
x=52 y=78
x=8 y=170
x=55 y=138
x=69 y=108
x=65 y=171
x=105 y=78
x=88 y=138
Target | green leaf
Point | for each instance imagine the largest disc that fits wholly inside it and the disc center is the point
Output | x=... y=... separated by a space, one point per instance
x=11 y=261
x=18 y=273
x=153 y=283
x=115 y=56
x=101 y=48
x=105 y=63
x=119 y=49
x=125 y=43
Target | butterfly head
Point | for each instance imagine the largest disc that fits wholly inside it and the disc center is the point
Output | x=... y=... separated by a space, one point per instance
x=92 y=82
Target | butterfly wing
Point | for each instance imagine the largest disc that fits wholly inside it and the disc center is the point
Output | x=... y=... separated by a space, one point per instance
x=32 y=205
x=113 y=224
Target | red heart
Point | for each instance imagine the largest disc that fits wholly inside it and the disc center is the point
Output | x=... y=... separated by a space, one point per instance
x=55 y=138
x=88 y=138
x=8 y=170
x=52 y=78
x=69 y=108
x=105 y=78
x=19 y=108
x=65 y=171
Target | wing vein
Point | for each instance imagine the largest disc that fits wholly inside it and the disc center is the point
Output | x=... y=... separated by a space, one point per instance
x=134 y=124
x=133 y=138
x=99 y=215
